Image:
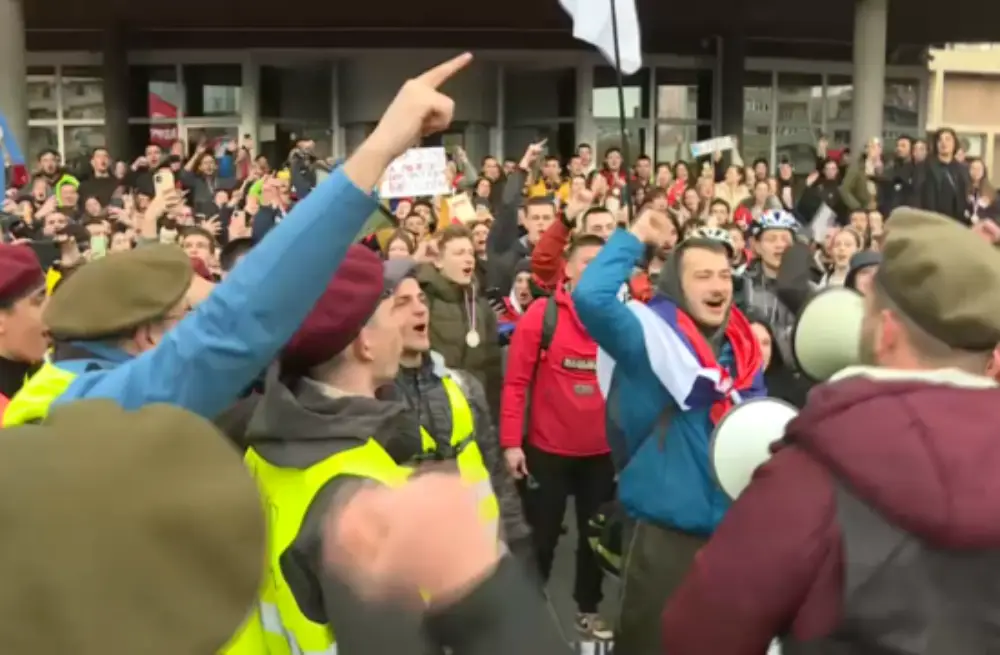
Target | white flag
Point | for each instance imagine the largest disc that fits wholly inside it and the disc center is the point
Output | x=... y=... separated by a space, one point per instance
x=592 y=23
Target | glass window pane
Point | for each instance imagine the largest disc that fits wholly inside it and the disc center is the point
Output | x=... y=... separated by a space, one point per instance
x=39 y=139
x=758 y=99
x=79 y=143
x=213 y=90
x=41 y=92
x=671 y=137
x=531 y=96
x=154 y=92
x=302 y=93
x=902 y=98
x=839 y=99
x=561 y=139
x=800 y=119
x=605 y=96
x=683 y=94
x=609 y=135
x=161 y=134
x=82 y=92
x=974 y=144
x=800 y=99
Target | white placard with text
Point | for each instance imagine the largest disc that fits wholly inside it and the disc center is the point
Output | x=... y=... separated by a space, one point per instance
x=417 y=172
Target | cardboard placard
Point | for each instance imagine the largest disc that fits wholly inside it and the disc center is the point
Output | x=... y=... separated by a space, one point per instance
x=460 y=208
x=417 y=172
x=712 y=146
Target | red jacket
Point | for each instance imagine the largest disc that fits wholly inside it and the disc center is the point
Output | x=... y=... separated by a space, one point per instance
x=924 y=455
x=567 y=416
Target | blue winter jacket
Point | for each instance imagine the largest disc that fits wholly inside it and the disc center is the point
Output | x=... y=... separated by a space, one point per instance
x=663 y=452
x=216 y=351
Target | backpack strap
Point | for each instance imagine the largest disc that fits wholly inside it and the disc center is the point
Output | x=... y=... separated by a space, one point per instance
x=549 y=322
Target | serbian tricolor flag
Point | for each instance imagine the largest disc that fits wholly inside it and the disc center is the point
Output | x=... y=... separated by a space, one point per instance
x=684 y=362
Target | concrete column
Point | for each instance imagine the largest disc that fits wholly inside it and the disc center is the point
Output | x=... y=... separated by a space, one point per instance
x=114 y=68
x=732 y=67
x=586 y=127
x=14 y=72
x=250 y=101
x=870 y=27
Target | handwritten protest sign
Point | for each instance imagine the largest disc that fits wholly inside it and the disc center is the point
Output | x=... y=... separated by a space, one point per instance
x=417 y=172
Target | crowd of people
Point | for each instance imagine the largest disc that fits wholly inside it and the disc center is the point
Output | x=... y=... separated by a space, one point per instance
x=553 y=343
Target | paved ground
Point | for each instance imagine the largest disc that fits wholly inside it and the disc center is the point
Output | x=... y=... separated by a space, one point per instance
x=561 y=583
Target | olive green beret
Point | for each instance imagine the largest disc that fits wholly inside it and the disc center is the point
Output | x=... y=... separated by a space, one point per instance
x=119 y=292
x=944 y=277
x=125 y=532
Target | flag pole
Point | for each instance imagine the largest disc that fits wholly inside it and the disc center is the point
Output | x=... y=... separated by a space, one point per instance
x=626 y=192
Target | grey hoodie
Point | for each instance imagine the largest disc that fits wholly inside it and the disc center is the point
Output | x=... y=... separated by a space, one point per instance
x=298 y=426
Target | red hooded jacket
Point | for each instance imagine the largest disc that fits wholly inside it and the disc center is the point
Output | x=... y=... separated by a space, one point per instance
x=569 y=416
x=924 y=454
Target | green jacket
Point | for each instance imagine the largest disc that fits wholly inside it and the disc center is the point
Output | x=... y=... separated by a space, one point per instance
x=450 y=325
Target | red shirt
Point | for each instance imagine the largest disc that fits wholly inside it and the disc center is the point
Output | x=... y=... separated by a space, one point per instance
x=567 y=408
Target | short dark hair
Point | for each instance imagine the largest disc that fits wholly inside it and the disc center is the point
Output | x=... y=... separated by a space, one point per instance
x=583 y=241
x=549 y=158
x=452 y=233
x=197 y=230
x=590 y=212
x=612 y=149
x=539 y=201
x=96 y=220
x=720 y=201
x=583 y=145
x=232 y=252
x=643 y=158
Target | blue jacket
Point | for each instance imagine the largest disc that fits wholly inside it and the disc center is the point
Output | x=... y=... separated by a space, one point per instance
x=216 y=351
x=667 y=476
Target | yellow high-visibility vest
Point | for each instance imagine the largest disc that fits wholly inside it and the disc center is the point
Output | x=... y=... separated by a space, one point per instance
x=468 y=456
x=32 y=402
x=278 y=626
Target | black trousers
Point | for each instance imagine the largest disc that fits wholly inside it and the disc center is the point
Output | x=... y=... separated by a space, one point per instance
x=591 y=482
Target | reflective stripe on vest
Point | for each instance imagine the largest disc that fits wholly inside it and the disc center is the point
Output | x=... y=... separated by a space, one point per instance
x=32 y=402
x=470 y=459
x=288 y=494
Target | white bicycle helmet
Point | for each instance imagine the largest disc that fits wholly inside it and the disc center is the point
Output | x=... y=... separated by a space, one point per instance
x=774 y=219
x=718 y=234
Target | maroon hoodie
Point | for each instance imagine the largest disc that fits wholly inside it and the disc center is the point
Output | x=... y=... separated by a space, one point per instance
x=925 y=454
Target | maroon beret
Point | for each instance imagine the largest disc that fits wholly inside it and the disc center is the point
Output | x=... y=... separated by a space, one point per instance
x=20 y=271
x=349 y=301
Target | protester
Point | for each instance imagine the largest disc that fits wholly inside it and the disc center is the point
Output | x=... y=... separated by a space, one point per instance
x=880 y=495
x=659 y=416
x=450 y=410
x=317 y=428
x=23 y=338
x=462 y=324
x=552 y=430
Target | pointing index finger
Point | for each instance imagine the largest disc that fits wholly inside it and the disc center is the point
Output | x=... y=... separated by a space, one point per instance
x=441 y=73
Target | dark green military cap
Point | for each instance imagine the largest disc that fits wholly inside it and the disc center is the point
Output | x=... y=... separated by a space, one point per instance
x=944 y=277
x=119 y=292
x=134 y=532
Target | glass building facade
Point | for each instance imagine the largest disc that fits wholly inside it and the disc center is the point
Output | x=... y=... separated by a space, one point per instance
x=508 y=100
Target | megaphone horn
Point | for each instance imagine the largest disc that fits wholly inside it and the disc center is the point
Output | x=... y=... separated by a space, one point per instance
x=742 y=441
x=827 y=335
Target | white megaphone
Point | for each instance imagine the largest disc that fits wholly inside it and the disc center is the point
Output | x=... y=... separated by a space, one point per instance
x=827 y=335
x=742 y=440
